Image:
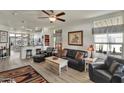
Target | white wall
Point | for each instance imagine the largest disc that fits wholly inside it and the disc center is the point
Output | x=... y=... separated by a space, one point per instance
x=87 y=35
x=86 y=27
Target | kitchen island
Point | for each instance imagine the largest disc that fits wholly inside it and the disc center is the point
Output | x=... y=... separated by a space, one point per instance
x=33 y=48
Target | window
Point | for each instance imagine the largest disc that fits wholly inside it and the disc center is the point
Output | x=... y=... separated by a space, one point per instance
x=109 y=43
x=108 y=35
x=115 y=38
x=101 y=48
x=54 y=40
x=19 y=39
x=25 y=35
x=12 y=35
x=116 y=49
x=108 y=22
x=18 y=35
x=100 y=38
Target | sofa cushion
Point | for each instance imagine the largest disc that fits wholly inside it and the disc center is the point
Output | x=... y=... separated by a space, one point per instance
x=79 y=56
x=113 y=67
x=120 y=69
x=103 y=74
x=72 y=60
x=49 y=49
x=101 y=66
x=109 y=60
x=71 y=53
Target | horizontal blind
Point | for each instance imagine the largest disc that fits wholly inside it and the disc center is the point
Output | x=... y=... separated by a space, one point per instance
x=109 y=29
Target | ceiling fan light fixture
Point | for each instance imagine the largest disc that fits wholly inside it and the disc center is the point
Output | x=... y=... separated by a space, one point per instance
x=52 y=19
x=52 y=16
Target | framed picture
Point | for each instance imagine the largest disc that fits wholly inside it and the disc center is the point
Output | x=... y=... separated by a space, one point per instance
x=75 y=38
x=3 y=36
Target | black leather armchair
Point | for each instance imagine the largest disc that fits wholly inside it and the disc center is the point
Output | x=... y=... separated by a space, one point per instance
x=40 y=55
x=48 y=51
x=99 y=73
x=118 y=77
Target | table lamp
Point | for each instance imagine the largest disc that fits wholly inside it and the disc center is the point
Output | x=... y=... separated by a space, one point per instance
x=91 y=48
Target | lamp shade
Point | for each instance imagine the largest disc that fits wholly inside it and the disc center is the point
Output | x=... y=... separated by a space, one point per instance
x=90 y=48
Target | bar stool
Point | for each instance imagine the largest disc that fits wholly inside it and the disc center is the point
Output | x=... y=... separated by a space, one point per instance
x=28 y=53
x=4 y=54
x=1 y=53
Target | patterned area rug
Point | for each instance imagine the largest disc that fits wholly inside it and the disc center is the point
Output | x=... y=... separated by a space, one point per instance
x=26 y=74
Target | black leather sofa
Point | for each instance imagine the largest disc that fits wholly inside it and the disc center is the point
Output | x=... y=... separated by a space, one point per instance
x=72 y=62
x=48 y=52
x=40 y=56
x=101 y=73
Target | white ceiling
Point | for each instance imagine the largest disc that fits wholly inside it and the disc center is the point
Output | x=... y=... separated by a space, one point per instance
x=13 y=19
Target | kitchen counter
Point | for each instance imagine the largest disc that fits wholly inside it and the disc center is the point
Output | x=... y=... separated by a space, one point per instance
x=33 y=48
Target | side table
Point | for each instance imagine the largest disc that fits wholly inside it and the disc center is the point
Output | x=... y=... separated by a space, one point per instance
x=88 y=61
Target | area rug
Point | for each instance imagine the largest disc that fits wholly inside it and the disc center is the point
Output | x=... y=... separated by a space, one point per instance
x=25 y=74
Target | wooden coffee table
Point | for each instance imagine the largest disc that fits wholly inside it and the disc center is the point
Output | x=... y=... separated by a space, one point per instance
x=60 y=63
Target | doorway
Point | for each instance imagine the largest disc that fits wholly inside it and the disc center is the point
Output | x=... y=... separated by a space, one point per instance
x=16 y=41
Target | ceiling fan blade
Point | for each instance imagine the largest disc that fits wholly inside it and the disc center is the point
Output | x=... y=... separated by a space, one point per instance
x=42 y=17
x=45 y=12
x=60 y=14
x=63 y=20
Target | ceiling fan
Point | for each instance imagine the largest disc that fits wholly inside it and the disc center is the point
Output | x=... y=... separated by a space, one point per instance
x=52 y=16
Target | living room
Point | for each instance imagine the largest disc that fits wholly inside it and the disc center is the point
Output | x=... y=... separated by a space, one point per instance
x=61 y=46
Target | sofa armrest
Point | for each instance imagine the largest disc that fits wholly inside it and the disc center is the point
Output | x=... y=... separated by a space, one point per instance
x=81 y=62
x=118 y=78
x=43 y=51
x=100 y=66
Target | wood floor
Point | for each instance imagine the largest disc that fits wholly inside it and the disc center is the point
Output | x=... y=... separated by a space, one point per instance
x=70 y=76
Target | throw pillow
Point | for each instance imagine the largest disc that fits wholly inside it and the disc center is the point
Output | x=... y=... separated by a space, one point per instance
x=113 y=67
x=64 y=53
x=120 y=69
x=79 y=56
